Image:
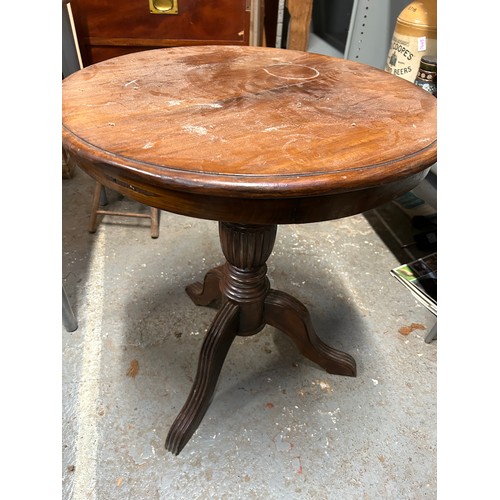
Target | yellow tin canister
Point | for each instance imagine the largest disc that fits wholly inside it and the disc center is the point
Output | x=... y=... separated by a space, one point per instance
x=415 y=35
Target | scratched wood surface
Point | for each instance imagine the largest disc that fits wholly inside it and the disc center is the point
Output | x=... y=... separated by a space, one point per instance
x=237 y=133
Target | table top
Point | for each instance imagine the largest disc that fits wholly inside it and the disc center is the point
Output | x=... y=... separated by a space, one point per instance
x=249 y=134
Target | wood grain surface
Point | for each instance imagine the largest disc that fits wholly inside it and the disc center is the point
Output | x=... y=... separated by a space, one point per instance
x=224 y=132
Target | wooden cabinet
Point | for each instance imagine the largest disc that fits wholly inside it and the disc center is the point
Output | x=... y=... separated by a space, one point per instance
x=108 y=28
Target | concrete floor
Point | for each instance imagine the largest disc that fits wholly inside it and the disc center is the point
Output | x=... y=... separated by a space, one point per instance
x=279 y=427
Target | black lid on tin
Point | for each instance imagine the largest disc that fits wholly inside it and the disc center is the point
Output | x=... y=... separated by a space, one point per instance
x=428 y=63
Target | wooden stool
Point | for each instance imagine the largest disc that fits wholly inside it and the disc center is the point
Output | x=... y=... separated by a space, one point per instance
x=100 y=199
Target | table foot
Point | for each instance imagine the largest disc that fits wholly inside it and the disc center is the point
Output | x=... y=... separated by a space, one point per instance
x=213 y=353
x=208 y=292
x=290 y=316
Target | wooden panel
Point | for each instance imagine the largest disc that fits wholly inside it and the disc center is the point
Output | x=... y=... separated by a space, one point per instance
x=108 y=28
x=300 y=23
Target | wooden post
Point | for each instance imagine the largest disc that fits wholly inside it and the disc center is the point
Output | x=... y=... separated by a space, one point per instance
x=300 y=24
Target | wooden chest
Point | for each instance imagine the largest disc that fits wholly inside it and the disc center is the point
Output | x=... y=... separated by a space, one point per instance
x=107 y=28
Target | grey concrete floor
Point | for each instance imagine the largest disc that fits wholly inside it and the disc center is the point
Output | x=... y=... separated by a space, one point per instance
x=278 y=426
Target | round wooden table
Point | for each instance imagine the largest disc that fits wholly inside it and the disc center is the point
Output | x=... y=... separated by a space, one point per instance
x=251 y=137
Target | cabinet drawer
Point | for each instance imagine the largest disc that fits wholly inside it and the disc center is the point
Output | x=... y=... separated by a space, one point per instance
x=107 y=29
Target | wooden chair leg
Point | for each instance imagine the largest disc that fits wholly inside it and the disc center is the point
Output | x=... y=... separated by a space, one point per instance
x=100 y=198
x=95 y=207
x=155 y=222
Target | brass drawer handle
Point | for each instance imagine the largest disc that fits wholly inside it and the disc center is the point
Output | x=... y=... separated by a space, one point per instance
x=163 y=6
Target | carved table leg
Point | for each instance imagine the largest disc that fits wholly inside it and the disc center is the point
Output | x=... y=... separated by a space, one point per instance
x=208 y=292
x=213 y=353
x=248 y=304
x=289 y=315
